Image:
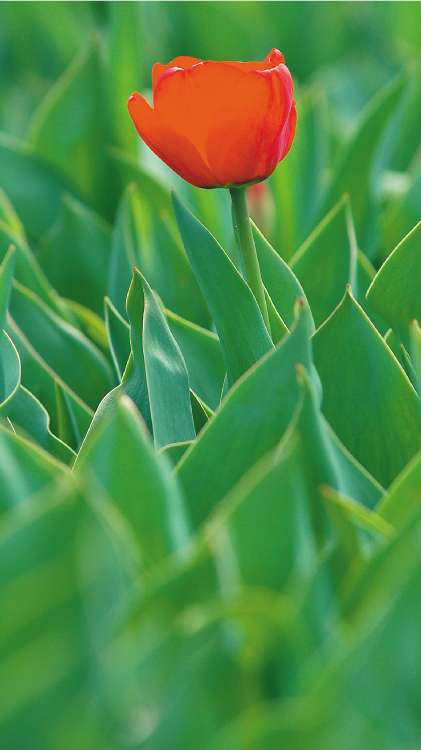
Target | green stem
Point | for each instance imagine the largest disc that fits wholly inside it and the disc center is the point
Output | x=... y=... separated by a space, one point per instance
x=247 y=248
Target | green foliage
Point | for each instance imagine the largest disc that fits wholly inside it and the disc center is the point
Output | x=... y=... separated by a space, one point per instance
x=209 y=531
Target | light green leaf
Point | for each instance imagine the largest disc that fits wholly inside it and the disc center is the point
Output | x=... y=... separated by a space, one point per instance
x=403 y=498
x=166 y=377
x=119 y=455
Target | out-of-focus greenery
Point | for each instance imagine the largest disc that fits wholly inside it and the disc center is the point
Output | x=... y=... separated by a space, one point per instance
x=209 y=532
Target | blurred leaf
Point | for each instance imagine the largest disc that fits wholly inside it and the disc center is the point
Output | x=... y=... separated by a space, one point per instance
x=9 y=217
x=395 y=290
x=415 y=348
x=353 y=175
x=326 y=262
x=250 y=422
x=298 y=183
x=367 y=398
x=122 y=67
x=69 y=128
x=242 y=333
x=403 y=498
x=402 y=213
x=145 y=493
x=10 y=370
x=24 y=469
x=57 y=608
x=7 y=269
x=75 y=254
x=57 y=341
x=33 y=186
x=166 y=377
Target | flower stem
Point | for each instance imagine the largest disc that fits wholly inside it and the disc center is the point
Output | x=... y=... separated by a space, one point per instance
x=247 y=248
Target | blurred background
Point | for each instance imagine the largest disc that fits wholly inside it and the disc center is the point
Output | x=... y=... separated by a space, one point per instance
x=66 y=70
x=352 y=48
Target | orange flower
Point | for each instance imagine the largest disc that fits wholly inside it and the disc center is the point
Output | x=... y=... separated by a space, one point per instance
x=219 y=124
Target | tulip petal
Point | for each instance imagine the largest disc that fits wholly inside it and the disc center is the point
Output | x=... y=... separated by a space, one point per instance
x=182 y=61
x=173 y=148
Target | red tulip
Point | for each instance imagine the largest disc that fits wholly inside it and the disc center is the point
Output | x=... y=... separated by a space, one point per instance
x=219 y=124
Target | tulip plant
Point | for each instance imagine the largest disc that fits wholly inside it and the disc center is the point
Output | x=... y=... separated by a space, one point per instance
x=210 y=440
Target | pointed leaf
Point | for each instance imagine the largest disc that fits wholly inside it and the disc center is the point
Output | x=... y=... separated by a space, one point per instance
x=395 y=290
x=326 y=262
x=242 y=332
x=166 y=376
x=367 y=398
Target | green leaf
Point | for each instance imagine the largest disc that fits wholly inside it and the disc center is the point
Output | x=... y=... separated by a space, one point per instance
x=75 y=254
x=41 y=380
x=145 y=237
x=29 y=418
x=118 y=332
x=326 y=262
x=58 y=342
x=166 y=377
x=395 y=290
x=280 y=281
x=202 y=353
x=250 y=421
x=235 y=312
x=28 y=271
x=119 y=455
x=367 y=397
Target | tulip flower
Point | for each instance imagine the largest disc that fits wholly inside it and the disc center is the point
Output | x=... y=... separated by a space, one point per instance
x=221 y=124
